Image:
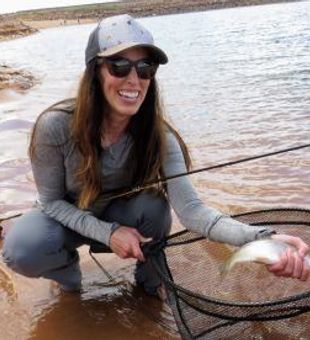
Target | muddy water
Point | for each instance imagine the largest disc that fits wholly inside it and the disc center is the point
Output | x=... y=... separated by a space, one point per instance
x=237 y=85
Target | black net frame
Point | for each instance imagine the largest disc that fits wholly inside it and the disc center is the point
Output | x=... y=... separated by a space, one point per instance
x=204 y=315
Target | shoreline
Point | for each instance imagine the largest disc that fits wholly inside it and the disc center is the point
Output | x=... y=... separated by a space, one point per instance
x=23 y=23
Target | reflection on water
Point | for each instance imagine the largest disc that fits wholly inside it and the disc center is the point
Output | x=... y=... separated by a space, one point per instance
x=110 y=316
x=237 y=85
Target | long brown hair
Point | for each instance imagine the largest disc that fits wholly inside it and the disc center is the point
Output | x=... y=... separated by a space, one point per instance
x=147 y=128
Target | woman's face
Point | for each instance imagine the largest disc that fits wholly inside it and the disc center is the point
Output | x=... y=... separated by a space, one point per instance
x=125 y=95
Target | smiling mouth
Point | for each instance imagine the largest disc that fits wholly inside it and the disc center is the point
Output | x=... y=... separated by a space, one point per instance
x=129 y=94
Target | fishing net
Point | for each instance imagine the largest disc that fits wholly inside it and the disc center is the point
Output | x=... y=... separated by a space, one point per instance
x=250 y=303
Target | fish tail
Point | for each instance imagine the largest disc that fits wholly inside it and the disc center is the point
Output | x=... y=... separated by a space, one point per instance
x=224 y=269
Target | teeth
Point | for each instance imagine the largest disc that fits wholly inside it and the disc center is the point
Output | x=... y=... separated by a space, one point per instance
x=129 y=94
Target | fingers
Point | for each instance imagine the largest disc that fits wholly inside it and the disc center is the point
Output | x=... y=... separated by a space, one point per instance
x=305 y=273
x=278 y=267
x=130 y=250
x=125 y=242
x=290 y=265
x=281 y=266
x=297 y=242
x=304 y=250
x=137 y=253
x=296 y=267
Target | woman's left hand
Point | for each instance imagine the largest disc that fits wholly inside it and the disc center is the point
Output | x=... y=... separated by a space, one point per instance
x=292 y=263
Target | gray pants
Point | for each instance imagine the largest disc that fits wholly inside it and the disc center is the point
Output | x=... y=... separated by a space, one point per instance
x=39 y=246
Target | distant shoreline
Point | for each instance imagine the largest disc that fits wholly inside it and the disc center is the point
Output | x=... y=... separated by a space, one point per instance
x=27 y=22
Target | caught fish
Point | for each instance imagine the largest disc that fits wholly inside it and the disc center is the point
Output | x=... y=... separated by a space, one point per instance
x=266 y=251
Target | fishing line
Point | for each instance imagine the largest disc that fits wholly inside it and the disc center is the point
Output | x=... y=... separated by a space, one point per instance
x=191 y=172
x=111 y=281
x=127 y=190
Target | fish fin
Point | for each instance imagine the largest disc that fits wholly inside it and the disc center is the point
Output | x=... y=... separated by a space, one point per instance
x=224 y=269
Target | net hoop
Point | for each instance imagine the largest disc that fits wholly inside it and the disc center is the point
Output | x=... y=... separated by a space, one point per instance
x=168 y=279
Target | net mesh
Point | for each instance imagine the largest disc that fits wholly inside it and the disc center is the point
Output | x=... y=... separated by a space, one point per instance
x=250 y=303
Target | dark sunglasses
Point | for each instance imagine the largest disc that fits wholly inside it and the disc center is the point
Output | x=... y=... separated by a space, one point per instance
x=121 y=67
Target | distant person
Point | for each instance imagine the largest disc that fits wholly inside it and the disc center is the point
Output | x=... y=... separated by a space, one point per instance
x=113 y=135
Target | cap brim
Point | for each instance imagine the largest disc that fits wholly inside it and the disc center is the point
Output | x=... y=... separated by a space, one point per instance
x=158 y=54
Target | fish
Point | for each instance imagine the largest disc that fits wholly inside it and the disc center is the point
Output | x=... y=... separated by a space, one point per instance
x=267 y=251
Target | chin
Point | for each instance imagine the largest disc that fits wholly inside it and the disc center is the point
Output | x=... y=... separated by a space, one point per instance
x=130 y=112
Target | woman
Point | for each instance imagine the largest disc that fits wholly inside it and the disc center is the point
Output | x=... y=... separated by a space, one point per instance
x=113 y=136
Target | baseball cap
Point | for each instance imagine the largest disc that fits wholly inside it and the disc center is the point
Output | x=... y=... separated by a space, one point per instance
x=119 y=33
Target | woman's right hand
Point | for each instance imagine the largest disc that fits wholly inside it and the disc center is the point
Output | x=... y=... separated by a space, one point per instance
x=125 y=242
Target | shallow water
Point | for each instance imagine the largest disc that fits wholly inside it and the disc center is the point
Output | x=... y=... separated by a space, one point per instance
x=237 y=85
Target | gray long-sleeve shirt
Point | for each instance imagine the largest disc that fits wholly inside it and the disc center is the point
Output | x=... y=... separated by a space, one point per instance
x=56 y=162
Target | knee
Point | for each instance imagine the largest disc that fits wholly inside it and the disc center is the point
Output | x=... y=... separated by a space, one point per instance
x=26 y=245
x=148 y=212
x=155 y=215
x=20 y=257
x=21 y=262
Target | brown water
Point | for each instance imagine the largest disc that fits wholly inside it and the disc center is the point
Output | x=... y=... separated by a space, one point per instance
x=241 y=89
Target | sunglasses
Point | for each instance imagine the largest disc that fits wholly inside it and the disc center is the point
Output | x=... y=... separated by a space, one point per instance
x=121 y=67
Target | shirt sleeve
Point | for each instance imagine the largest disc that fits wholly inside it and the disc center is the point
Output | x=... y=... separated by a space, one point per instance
x=193 y=213
x=48 y=166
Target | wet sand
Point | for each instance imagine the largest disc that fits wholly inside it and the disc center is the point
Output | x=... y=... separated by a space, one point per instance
x=36 y=310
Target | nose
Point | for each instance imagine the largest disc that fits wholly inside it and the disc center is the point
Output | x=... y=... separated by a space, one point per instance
x=133 y=76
